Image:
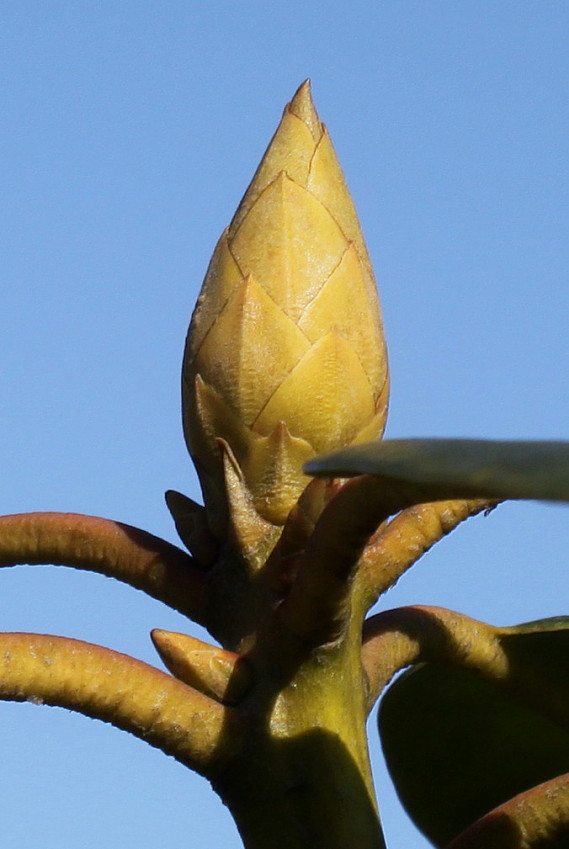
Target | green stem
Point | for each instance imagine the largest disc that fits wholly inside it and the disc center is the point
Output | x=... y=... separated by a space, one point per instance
x=303 y=792
x=301 y=776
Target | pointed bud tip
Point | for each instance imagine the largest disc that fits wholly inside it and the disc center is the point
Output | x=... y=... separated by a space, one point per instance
x=303 y=107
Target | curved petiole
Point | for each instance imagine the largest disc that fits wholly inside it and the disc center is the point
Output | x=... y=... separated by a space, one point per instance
x=104 y=684
x=401 y=542
x=535 y=819
x=120 y=551
x=398 y=638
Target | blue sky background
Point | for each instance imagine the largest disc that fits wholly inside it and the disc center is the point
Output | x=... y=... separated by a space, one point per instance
x=129 y=133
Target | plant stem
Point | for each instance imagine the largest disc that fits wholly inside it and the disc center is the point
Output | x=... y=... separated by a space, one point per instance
x=301 y=776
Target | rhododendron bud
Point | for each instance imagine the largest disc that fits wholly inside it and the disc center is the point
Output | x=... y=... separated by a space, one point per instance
x=285 y=356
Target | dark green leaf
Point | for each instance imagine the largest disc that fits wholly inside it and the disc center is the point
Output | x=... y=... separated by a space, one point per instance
x=458 y=468
x=458 y=745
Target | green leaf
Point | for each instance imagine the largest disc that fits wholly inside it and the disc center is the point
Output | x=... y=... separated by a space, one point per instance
x=458 y=745
x=458 y=468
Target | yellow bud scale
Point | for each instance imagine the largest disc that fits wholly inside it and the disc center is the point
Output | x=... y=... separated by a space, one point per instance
x=285 y=356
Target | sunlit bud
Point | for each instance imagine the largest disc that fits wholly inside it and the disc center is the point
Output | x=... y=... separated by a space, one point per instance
x=285 y=356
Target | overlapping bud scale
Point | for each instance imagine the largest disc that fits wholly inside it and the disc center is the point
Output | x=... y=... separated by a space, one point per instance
x=285 y=356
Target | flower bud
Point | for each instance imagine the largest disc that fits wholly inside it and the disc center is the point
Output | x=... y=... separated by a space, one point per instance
x=285 y=356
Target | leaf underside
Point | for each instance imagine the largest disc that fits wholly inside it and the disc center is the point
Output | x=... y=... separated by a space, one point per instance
x=457 y=746
x=458 y=468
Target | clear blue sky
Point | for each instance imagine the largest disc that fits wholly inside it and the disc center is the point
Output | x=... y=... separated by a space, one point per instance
x=129 y=132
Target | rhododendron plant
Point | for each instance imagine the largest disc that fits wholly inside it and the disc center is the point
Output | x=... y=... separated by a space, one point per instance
x=308 y=518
